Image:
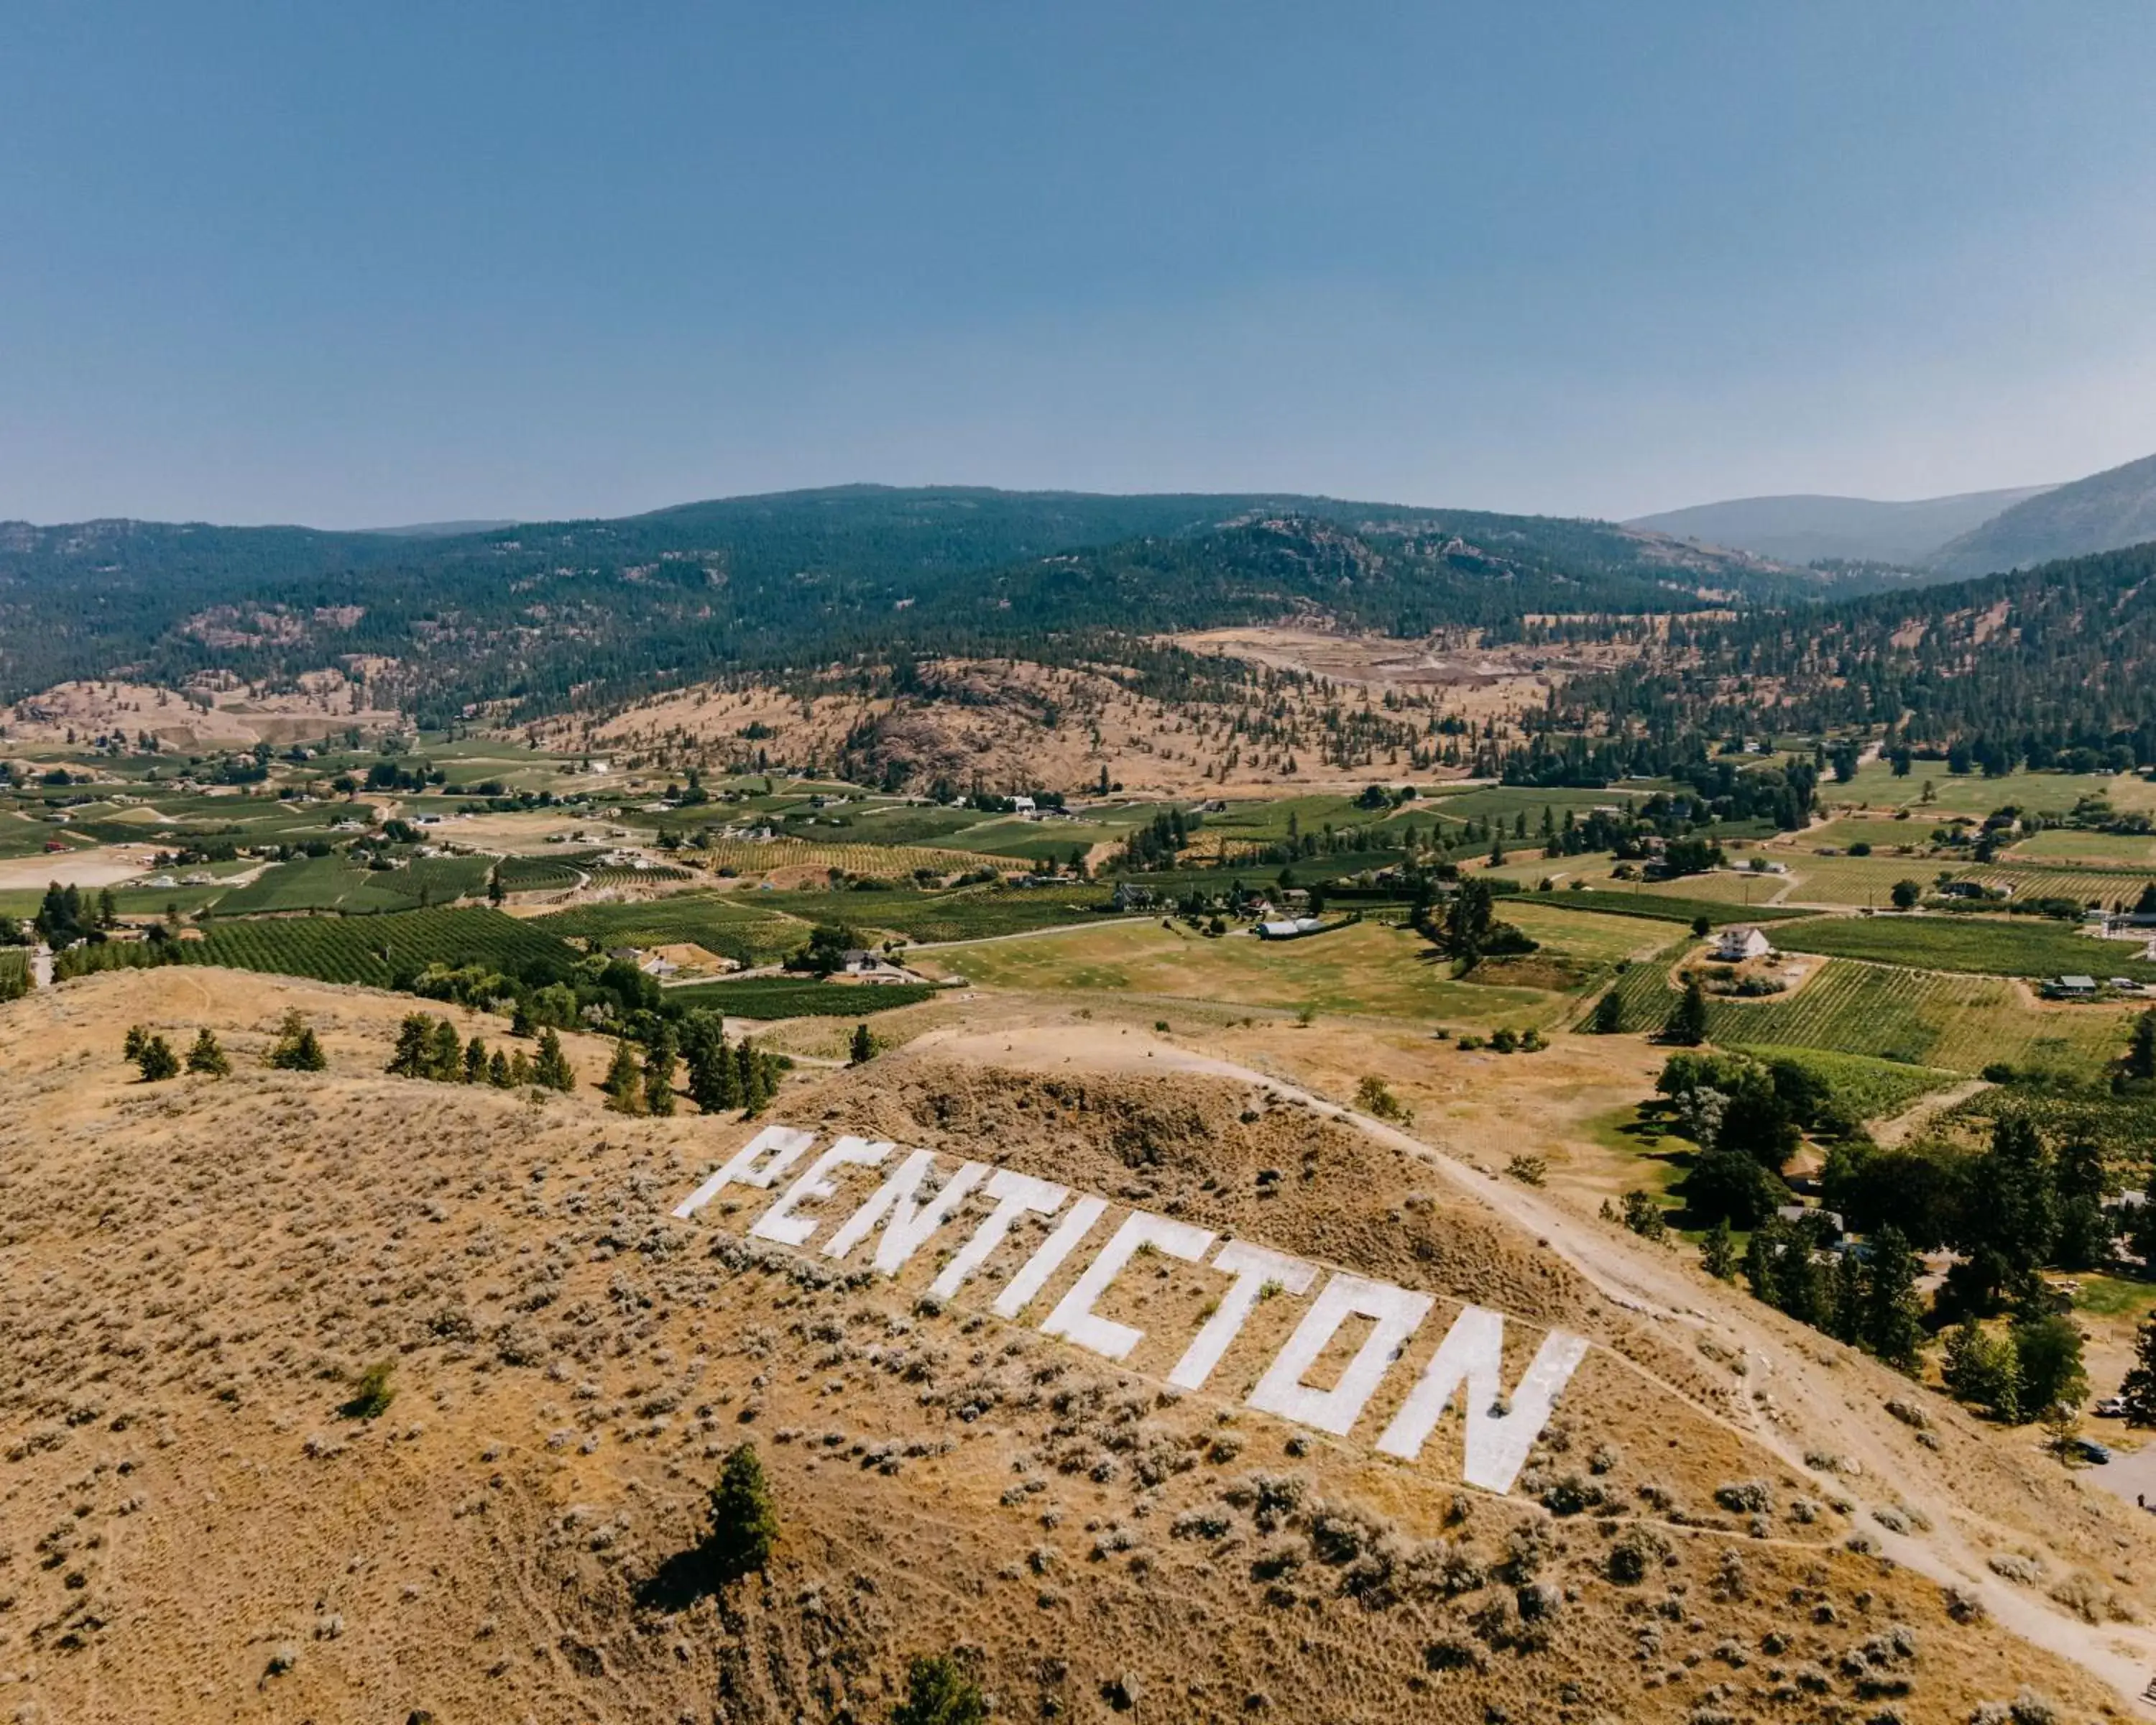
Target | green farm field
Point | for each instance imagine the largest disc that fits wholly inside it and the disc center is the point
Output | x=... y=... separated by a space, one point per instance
x=1876 y=787
x=1582 y=935
x=373 y=950
x=1507 y=802
x=719 y=922
x=1880 y=831
x=1529 y=867
x=2071 y=844
x=2025 y=947
x=1745 y=889
x=889 y=861
x=330 y=883
x=1649 y=903
x=1365 y=970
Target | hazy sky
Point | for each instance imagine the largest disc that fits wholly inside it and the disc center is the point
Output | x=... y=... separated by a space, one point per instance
x=357 y=265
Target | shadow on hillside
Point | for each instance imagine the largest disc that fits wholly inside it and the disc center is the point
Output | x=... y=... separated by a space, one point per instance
x=679 y=1582
x=697 y=1572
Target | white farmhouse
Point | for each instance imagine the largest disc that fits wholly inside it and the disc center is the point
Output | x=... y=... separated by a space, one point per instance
x=1741 y=941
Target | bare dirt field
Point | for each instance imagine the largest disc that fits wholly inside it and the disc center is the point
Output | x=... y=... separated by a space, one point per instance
x=1479 y=683
x=106 y=866
x=1720 y=1518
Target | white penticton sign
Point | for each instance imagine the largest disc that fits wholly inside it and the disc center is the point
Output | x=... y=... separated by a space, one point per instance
x=916 y=1202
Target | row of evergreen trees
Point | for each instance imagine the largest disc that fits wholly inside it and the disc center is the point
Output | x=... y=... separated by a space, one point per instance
x=428 y=1047
x=296 y=1049
x=720 y=1075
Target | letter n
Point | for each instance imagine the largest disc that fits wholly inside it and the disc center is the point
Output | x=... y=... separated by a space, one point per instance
x=1498 y=1438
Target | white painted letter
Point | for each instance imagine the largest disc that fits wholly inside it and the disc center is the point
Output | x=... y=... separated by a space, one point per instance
x=1473 y=1354
x=1252 y=1266
x=780 y=1223
x=1014 y=1195
x=1282 y=1391
x=908 y=1228
x=786 y=1142
x=1032 y=1275
x=1074 y=1317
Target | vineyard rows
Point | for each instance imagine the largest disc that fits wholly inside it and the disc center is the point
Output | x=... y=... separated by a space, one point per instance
x=2107 y=886
x=375 y=949
x=889 y=861
x=1920 y=1017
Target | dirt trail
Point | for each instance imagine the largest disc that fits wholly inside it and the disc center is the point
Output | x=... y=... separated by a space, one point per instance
x=1925 y=1109
x=1788 y=1380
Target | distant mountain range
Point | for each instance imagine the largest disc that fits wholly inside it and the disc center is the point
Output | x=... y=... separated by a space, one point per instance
x=2103 y=512
x=1975 y=533
x=439 y=529
x=518 y=618
x=1806 y=529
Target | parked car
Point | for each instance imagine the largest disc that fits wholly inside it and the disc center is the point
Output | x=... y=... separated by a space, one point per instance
x=2089 y=1449
x=2112 y=1407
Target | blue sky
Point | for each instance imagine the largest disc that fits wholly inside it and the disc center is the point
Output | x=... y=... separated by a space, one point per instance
x=351 y=265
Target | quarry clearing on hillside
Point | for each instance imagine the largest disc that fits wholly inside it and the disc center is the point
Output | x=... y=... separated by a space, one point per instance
x=216 y=711
x=1720 y=1518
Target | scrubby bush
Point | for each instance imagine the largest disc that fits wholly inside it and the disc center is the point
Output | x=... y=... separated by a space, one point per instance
x=371 y=1393
x=1374 y=1095
x=941 y=1689
x=1636 y=1553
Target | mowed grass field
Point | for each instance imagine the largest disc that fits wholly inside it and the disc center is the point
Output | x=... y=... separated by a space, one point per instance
x=1856 y=881
x=1742 y=888
x=1583 y=935
x=1365 y=969
x=1972 y=794
x=2070 y=845
x=1882 y=832
x=1919 y=1017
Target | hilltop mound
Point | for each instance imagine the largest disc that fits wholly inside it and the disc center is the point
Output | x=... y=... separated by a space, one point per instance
x=1717 y=1520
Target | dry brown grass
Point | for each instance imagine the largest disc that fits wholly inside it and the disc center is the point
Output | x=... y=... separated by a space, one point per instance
x=192 y=1274
x=996 y=732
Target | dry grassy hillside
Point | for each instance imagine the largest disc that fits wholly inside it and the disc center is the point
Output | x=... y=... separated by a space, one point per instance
x=1013 y=723
x=193 y=1274
x=215 y=711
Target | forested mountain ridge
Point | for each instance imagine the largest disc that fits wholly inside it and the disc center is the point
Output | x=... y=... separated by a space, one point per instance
x=2106 y=511
x=2029 y=666
x=525 y=615
x=1805 y=529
